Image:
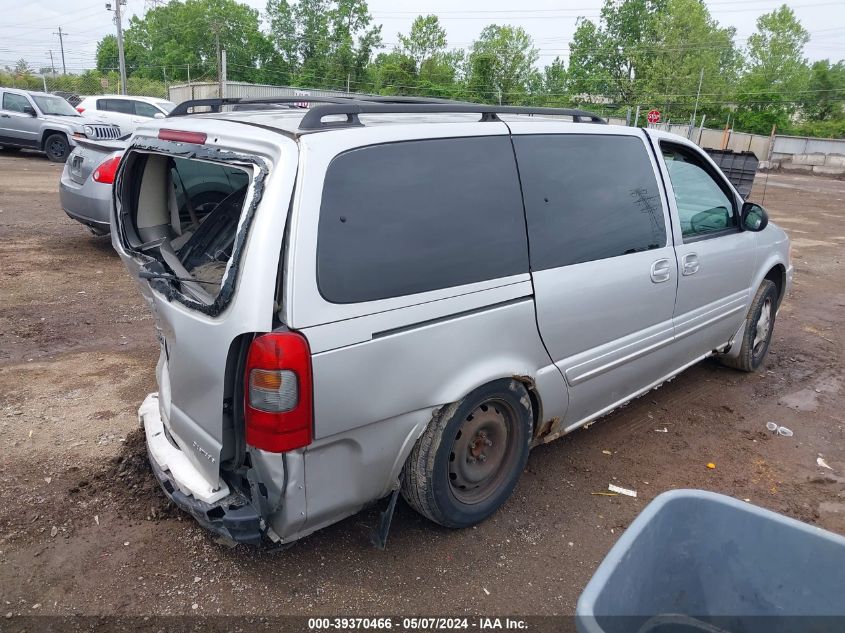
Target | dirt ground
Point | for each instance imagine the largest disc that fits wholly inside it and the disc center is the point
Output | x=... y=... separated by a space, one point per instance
x=85 y=530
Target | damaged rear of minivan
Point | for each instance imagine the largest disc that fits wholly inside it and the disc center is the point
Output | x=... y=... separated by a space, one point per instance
x=187 y=225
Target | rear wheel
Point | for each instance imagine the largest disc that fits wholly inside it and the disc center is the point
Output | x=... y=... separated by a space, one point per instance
x=757 y=334
x=467 y=462
x=57 y=148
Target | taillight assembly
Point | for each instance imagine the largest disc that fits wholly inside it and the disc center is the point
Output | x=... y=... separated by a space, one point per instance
x=106 y=170
x=278 y=407
x=80 y=110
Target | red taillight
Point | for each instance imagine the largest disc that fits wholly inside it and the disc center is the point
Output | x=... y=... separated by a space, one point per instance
x=277 y=392
x=181 y=136
x=106 y=170
x=80 y=110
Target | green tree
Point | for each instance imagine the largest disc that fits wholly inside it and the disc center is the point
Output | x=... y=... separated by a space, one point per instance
x=425 y=40
x=394 y=73
x=554 y=87
x=777 y=74
x=688 y=46
x=324 y=43
x=352 y=39
x=181 y=34
x=22 y=68
x=501 y=64
x=608 y=60
x=823 y=99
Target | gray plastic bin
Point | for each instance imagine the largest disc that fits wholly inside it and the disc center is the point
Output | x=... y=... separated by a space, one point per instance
x=697 y=561
x=739 y=167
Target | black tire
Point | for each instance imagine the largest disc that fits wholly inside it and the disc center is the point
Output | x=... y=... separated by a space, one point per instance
x=757 y=333
x=57 y=147
x=440 y=475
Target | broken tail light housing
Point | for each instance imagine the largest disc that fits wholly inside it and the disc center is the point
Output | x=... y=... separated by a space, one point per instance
x=278 y=405
x=106 y=170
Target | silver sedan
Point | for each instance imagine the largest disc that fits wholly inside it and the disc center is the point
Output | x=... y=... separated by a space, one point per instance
x=86 y=184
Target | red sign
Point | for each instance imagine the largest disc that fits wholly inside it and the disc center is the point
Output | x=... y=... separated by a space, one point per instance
x=654 y=116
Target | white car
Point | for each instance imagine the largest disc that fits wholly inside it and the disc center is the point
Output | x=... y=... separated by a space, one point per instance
x=125 y=111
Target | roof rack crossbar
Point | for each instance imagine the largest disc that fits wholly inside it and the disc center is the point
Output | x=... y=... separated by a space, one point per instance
x=313 y=119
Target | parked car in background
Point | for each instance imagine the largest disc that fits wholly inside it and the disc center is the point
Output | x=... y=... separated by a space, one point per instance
x=45 y=122
x=85 y=187
x=71 y=97
x=126 y=111
x=376 y=307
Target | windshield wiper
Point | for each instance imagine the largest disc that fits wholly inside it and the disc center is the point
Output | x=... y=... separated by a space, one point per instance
x=148 y=274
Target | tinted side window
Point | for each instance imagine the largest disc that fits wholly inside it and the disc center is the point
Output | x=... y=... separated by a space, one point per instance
x=116 y=105
x=145 y=109
x=588 y=197
x=415 y=216
x=15 y=103
x=703 y=205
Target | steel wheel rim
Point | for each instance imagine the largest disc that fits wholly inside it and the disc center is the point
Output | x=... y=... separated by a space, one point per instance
x=57 y=149
x=763 y=327
x=482 y=453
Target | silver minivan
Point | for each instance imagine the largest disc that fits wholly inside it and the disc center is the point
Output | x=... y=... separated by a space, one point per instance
x=403 y=298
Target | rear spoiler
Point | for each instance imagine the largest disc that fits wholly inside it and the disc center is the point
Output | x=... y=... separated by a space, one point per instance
x=106 y=146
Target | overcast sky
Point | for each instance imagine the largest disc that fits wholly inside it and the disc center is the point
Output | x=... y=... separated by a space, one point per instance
x=28 y=29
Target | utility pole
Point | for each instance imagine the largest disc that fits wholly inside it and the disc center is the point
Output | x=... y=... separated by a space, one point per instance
x=223 y=77
x=52 y=65
x=698 y=94
x=62 y=46
x=118 y=20
x=216 y=30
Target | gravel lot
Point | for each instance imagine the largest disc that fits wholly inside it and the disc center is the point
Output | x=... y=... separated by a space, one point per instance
x=85 y=530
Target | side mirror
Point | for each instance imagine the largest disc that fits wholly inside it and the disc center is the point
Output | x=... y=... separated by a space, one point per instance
x=754 y=217
x=158 y=115
x=29 y=110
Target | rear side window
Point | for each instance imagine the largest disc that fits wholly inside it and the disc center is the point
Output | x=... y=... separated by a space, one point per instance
x=588 y=197
x=403 y=218
x=116 y=105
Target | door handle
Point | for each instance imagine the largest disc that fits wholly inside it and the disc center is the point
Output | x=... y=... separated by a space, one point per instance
x=660 y=271
x=689 y=264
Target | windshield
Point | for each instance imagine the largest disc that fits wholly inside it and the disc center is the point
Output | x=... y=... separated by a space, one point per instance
x=54 y=105
x=166 y=106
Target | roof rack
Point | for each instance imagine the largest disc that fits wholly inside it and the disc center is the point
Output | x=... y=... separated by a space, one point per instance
x=215 y=104
x=313 y=120
x=352 y=106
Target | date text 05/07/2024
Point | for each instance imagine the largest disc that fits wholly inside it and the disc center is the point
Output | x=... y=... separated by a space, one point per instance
x=416 y=624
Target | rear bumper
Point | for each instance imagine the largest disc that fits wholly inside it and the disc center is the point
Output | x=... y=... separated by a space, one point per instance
x=89 y=203
x=227 y=513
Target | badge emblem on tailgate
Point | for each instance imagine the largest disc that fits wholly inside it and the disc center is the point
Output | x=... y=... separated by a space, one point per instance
x=203 y=452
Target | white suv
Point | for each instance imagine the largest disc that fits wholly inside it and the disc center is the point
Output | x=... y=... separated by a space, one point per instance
x=125 y=111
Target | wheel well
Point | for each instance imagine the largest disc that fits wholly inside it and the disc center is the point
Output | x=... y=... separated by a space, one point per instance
x=536 y=403
x=777 y=275
x=48 y=133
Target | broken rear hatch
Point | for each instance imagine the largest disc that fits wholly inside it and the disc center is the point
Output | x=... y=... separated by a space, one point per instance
x=188 y=227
